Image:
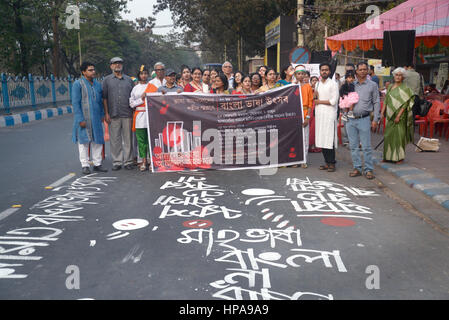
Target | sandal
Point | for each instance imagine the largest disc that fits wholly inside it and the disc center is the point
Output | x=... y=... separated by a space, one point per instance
x=331 y=168
x=143 y=167
x=324 y=167
x=304 y=165
x=355 y=173
x=369 y=175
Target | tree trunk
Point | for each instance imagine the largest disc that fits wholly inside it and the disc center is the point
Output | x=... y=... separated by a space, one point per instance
x=56 y=49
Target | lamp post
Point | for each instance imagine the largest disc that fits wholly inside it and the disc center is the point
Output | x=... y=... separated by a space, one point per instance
x=300 y=14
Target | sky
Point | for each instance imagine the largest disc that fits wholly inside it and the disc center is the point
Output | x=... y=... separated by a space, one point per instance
x=144 y=8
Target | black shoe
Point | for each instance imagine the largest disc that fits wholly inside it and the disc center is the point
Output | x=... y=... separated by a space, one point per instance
x=116 y=167
x=100 y=169
x=86 y=170
x=129 y=167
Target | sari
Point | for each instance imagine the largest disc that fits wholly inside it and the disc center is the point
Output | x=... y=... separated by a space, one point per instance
x=398 y=135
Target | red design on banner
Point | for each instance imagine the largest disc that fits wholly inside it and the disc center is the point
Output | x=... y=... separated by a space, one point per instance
x=173 y=135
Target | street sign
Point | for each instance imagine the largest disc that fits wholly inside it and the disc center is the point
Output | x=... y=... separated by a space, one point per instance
x=300 y=55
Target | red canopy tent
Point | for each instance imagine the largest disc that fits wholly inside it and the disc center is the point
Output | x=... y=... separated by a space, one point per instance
x=429 y=18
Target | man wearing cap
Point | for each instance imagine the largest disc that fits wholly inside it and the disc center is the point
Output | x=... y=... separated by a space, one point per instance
x=117 y=89
x=159 y=80
x=170 y=83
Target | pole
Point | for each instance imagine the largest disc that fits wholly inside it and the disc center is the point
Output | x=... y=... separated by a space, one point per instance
x=79 y=37
x=325 y=38
x=299 y=15
x=238 y=54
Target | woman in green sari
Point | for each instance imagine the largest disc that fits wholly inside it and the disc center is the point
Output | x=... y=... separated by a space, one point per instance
x=397 y=110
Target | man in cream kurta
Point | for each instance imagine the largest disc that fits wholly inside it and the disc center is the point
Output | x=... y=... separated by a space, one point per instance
x=326 y=100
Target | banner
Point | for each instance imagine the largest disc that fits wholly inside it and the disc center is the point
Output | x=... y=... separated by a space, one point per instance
x=190 y=131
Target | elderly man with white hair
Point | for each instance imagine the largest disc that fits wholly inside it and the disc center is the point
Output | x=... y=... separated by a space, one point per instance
x=159 y=80
x=227 y=70
x=397 y=110
x=358 y=127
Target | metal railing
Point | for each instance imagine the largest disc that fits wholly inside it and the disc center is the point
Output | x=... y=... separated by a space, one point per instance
x=33 y=92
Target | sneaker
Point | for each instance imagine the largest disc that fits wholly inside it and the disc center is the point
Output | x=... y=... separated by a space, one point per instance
x=344 y=117
x=116 y=167
x=86 y=170
x=100 y=169
x=350 y=114
x=129 y=167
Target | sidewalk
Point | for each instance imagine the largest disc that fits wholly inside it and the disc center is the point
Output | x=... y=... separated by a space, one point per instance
x=25 y=117
x=427 y=172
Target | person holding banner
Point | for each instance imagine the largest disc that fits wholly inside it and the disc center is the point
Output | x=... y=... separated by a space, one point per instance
x=170 y=83
x=246 y=86
x=270 y=76
x=186 y=76
x=221 y=84
x=262 y=70
x=307 y=102
x=137 y=101
x=326 y=100
x=287 y=74
x=195 y=85
x=256 y=82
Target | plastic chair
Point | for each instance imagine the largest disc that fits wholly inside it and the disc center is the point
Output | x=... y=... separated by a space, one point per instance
x=434 y=96
x=434 y=117
x=422 y=123
x=446 y=112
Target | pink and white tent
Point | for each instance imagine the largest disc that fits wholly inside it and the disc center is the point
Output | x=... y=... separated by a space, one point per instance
x=429 y=18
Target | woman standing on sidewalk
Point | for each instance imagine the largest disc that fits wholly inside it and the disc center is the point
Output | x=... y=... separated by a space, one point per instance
x=397 y=110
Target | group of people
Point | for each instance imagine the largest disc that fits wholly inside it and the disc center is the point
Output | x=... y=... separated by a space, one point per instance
x=120 y=102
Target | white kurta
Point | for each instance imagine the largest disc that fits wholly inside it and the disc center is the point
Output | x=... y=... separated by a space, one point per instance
x=326 y=116
x=136 y=100
x=156 y=82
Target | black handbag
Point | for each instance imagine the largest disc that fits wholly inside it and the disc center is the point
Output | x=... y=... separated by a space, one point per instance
x=421 y=107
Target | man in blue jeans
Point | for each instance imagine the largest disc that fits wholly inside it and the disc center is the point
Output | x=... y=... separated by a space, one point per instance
x=359 y=127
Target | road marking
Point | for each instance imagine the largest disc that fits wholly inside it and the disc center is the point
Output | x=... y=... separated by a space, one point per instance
x=283 y=224
x=60 y=181
x=330 y=216
x=268 y=216
x=9 y=212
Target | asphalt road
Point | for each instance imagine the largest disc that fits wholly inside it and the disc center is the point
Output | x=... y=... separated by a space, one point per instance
x=298 y=234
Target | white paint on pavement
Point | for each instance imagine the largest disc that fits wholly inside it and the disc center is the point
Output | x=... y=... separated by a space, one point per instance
x=61 y=181
x=7 y=213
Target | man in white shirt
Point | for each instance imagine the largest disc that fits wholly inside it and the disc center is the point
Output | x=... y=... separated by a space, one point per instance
x=159 y=81
x=326 y=101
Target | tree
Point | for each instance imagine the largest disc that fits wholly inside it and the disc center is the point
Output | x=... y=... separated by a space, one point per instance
x=217 y=25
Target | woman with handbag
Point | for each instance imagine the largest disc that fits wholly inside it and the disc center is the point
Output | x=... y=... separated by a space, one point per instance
x=397 y=110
